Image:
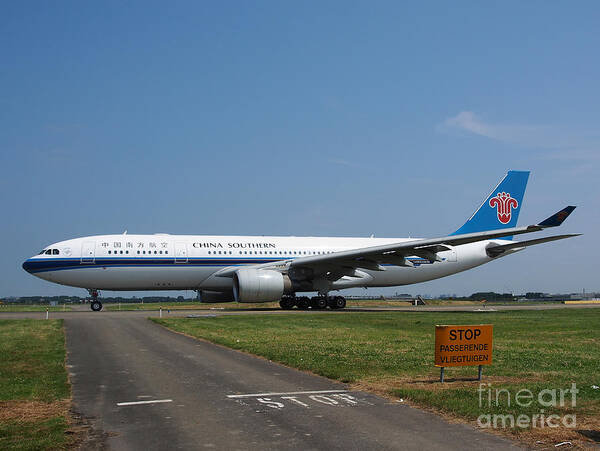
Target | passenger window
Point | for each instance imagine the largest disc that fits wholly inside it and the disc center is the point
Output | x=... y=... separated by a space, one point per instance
x=121 y=252
x=127 y=252
x=166 y=252
x=160 y=252
x=138 y=252
x=109 y=252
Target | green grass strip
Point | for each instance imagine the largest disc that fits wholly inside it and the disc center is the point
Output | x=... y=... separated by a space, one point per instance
x=34 y=386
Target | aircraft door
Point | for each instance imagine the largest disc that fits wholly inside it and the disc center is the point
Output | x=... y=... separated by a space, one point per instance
x=88 y=252
x=181 y=255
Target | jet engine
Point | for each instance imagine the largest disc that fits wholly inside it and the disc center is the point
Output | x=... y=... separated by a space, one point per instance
x=255 y=285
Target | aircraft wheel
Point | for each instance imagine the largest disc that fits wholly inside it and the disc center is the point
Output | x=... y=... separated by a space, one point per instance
x=303 y=303
x=319 y=302
x=338 y=302
x=287 y=303
x=96 y=306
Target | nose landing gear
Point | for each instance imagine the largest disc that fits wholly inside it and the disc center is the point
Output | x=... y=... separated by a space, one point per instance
x=96 y=305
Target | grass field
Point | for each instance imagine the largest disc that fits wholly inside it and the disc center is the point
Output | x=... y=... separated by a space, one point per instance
x=392 y=354
x=34 y=390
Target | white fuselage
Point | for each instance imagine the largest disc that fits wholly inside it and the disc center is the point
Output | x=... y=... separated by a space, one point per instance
x=190 y=262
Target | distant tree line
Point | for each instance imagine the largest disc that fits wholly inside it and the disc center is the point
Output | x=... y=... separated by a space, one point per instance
x=492 y=296
x=78 y=300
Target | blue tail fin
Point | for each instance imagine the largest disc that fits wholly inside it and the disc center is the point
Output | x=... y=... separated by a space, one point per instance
x=501 y=208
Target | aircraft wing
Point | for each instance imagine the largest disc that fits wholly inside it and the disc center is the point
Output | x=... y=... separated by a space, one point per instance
x=372 y=257
x=338 y=264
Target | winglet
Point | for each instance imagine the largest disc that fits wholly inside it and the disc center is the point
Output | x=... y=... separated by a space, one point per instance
x=557 y=218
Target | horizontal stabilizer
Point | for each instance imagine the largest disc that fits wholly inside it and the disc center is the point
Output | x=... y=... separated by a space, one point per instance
x=558 y=218
x=496 y=250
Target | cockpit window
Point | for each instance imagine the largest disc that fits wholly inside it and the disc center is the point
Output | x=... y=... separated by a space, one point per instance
x=48 y=252
x=55 y=252
x=42 y=251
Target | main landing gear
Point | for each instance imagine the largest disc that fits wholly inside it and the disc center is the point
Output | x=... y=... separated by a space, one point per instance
x=96 y=305
x=315 y=303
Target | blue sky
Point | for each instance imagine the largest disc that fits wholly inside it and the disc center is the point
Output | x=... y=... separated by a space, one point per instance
x=306 y=118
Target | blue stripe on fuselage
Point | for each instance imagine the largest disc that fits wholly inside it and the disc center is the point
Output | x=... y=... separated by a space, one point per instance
x=60 y=264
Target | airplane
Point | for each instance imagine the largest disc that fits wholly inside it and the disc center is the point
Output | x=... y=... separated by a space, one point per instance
x=273 y=268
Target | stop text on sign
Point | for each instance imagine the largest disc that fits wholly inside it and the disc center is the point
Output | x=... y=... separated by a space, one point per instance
x=463 y=345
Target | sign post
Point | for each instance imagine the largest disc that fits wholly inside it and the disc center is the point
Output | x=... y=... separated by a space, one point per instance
x=463 y=346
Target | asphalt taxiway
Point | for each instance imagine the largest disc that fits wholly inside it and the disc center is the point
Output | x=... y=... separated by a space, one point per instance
x=83 y=310
x=144 y=387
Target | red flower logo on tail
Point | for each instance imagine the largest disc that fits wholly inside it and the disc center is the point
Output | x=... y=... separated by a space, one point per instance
x=503 y=204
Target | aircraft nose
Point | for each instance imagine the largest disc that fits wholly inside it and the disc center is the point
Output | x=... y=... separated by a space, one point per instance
x=27 y=265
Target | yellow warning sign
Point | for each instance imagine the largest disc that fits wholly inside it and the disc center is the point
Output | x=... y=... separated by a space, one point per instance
x=463 y=345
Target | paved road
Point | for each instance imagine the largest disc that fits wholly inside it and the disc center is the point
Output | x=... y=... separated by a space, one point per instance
x=214 y=397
